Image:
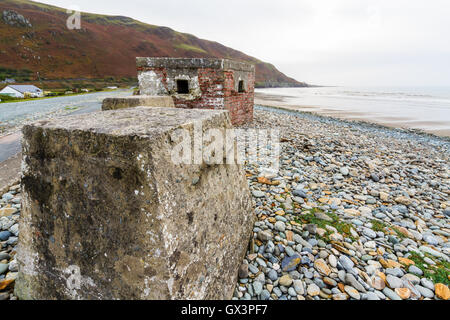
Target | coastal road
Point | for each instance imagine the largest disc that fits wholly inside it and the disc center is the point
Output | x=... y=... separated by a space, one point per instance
x=15 y=114
x=9 y=146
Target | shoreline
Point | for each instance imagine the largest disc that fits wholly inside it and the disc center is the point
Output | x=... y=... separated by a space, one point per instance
x=278 y=101
x=364 y=123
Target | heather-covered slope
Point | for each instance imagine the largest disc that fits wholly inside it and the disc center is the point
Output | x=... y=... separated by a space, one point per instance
x=106 y=46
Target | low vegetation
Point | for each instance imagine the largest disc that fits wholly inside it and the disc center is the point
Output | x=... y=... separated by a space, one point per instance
x=187 y=47
x=383 y=227
x=6 y=98
x=22 y=75
x=439 y=273
x=309 y=217
x=50 y=94
x=70 y=108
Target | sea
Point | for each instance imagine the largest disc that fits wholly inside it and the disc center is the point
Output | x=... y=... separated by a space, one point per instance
x=423 y=108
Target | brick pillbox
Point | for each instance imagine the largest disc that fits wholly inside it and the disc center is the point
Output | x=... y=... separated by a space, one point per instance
x=199 y=83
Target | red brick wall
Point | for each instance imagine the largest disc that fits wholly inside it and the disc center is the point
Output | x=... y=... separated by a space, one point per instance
x=239 y=104
x=212 y=95
x=218 y=92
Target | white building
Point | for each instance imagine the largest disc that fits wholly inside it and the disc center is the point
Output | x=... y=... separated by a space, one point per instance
x=19 y=91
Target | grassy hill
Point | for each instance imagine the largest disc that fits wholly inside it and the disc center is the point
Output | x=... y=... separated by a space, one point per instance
x=105 y=47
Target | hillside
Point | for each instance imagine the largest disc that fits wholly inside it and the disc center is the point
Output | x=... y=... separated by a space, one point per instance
x=34 y=37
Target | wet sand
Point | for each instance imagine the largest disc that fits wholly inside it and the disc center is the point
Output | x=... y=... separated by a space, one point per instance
x=389 y=121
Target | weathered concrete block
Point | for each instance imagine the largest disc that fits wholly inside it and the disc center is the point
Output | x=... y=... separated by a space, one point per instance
x=135 y=101
x=108 y=215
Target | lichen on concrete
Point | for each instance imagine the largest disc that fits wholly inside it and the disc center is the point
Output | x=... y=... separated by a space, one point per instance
x=101 y=197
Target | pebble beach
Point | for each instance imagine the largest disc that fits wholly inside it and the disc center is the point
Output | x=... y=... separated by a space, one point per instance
x=356 y=212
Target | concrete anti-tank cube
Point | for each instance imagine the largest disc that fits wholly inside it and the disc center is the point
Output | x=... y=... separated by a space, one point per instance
x=107 y=214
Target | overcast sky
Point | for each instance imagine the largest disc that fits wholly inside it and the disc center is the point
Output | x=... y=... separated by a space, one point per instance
x=329 y=42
